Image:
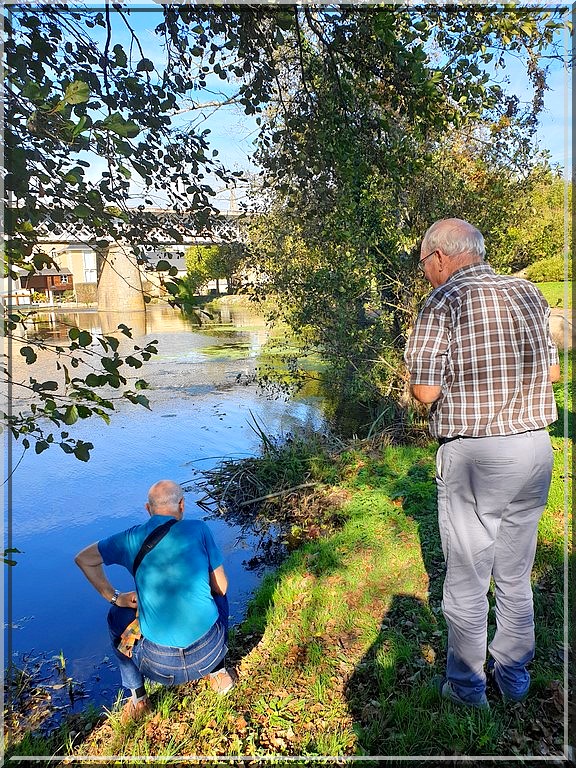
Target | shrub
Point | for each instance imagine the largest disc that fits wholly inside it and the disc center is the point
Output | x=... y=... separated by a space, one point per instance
x=547 y=270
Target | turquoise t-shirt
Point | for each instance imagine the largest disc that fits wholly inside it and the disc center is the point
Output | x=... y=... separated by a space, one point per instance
x=175 y=605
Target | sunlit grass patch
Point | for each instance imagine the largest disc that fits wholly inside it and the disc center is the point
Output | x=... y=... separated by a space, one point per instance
x=342 y=643
x=554 y=293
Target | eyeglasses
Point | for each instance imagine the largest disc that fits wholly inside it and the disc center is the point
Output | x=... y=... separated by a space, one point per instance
x=421 y=262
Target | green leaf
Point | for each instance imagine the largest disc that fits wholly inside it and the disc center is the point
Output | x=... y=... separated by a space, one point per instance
x=133 y=362
x=113 y=342
x=29 y=354
x=83 y=211
x=81 y=125
x=41 y=260
x=72 y=177
x=125 y=330
x=77 y=92
x=137 y=399
x=93 y=380
x=41 y=445
x=35 y=92
x=84 y=338
x=121 y=59
x=142 y=384
x=285 y=20
x=10 y=551
x=119 y=125
x=145 y=65
x=111 y=365
x=82 y=450
x=123 y=148
x=71 y=415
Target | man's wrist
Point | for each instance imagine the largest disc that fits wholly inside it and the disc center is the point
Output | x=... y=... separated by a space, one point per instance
x=114 y=598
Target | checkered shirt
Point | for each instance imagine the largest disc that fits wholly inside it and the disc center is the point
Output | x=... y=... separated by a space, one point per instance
x=485 y=339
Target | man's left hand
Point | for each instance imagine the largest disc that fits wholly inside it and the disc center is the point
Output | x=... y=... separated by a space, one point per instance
x=127 y=600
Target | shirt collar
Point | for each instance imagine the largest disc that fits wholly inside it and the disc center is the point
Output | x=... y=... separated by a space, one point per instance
x=475 y=269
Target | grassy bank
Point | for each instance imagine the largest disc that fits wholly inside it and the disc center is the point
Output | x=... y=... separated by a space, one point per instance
x=341 y=644
x=554 y=294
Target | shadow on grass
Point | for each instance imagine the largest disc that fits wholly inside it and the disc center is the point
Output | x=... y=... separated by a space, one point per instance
x=391 y=693
x=393 y=683
x=417 y=491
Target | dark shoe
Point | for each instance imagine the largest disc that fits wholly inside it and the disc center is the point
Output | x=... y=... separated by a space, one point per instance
x=445 y=689
x=222 y=681
x=132 y=712
x=507 y=698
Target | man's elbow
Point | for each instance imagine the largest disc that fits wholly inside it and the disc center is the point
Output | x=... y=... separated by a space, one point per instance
x=426 y=393
x=554 y=373
x=218 y=581
x=88 y=557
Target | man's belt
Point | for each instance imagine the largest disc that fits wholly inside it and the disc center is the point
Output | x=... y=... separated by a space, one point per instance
x=444 y=440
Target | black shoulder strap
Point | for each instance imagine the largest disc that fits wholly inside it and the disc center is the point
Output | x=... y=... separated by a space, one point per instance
x=151 y=540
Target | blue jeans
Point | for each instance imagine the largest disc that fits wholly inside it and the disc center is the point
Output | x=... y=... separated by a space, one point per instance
x=165 y=664
x=491 y=494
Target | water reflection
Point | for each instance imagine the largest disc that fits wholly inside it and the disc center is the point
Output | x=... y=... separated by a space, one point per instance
x=156 y=318
x=199 y=415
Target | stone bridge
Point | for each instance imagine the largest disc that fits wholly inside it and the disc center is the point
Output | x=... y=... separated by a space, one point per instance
x=118 y=265
x=119 y=271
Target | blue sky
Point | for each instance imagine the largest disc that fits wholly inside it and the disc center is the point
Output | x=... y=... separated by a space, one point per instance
x=233 y=133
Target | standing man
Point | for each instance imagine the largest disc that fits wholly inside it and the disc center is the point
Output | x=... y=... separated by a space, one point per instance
x=482 y=356
x=180 y=597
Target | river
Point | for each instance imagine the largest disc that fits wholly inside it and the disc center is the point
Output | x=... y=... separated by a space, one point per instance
x=201 y=399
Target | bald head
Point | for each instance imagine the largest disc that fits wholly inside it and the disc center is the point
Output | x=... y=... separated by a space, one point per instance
x=166 y=498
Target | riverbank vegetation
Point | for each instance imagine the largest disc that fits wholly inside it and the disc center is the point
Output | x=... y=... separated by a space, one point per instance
x=341 y=643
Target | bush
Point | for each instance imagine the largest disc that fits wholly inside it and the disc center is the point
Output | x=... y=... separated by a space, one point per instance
x=548 y=270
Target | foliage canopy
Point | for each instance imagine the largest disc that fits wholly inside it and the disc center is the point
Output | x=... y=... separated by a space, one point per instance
x=386 y=121
x=354 y=107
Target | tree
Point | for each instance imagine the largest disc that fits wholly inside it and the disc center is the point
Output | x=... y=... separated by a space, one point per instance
x=517 y=205
x=82 y=95
x=226 y=263
x=536 y=232
x=198 y=269
x=371 y=109
x=356 y=101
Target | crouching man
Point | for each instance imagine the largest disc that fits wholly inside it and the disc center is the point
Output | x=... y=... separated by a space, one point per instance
x=174 y=627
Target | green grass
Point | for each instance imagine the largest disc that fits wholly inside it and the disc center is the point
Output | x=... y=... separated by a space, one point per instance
x=554 y=294
x=341 y=644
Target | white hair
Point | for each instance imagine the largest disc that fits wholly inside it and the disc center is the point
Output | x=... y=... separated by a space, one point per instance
x=454 y=237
